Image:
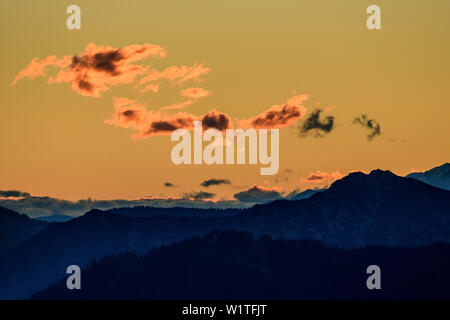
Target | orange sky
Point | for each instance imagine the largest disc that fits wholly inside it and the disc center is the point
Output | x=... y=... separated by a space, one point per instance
x=238 y=58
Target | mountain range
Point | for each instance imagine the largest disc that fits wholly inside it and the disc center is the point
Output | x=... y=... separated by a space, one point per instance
x=438 y=177
x=379 y=208
x=234 y=265
x=15 y=228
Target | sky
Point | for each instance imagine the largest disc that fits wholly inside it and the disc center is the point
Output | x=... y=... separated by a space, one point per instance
x=65 y=139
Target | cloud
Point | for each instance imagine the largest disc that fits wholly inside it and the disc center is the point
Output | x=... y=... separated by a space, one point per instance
x=96 y=69
x=201 y=195
x=370 y=124
x=214 y=182
x=38 y=68
x=181 y=105
x=257 y=194
x=278 y=116
x=46 y=206
x=13 y=194
x=216 y=120
x=283 y=176
x=176 y=74
x=320 y=177
x=130 y=114
x=169 y=185
x=314 y=125
x=395 y=140
x=195 y=93
x=150 y=87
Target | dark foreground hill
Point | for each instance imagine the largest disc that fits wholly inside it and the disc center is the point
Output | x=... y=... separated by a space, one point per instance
x=42 y=259
x=15 y=228
x=375 y=209
x=233 y=265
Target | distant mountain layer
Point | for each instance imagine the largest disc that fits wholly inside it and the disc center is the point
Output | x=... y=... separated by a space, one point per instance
x=306 y=194
x=141 y=212
x=379 y=208
x=438 y=177
x=55 y=218
x=15 y=228
x=233 y=265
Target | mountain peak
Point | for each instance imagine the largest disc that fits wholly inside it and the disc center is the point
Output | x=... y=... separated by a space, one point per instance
x=379 y=172
x=438 y=176
x=359 y=182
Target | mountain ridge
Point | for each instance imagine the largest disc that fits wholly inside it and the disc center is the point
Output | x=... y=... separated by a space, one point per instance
x=437 y=176
x=379 y=208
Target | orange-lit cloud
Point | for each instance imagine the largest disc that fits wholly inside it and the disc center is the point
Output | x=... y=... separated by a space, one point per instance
x=99 y=68
x=195 y=93
x=181 y=105
x=38 y=68
x=130 y=114
x=279 y=116
x=320 y=177
x=96 y=69
x=150 y=87
x=176 y=74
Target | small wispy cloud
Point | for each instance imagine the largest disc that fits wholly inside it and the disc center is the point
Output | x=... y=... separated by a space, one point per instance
x=200 y=195
x=169 y=185
x=214 y=182
x=315 y=126
x=195 y=93
x=370 y=124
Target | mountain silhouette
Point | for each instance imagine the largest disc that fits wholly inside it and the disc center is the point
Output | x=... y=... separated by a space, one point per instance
x=379 y=208
x=306 y=194
x=234 y=265
x=438 y=177
x=140 y=212
x=15 y=228
x=362 y=209
x=42 y=259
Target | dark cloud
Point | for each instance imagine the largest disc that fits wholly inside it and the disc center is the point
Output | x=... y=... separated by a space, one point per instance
x=257 y=194
x=169 y=185
x=201 y=195
x=314 y=125
x=216 y=120
x=214 y=182
x=103 y=61
x=46 y=206
x=130 y=114
x=277 y=117
x=370 y=124
x=314 y=177
x=212 y=119
x=13 y=194
x=95 y=70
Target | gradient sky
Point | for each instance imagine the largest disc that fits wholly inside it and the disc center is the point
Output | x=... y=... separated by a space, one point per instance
x=54 y=141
